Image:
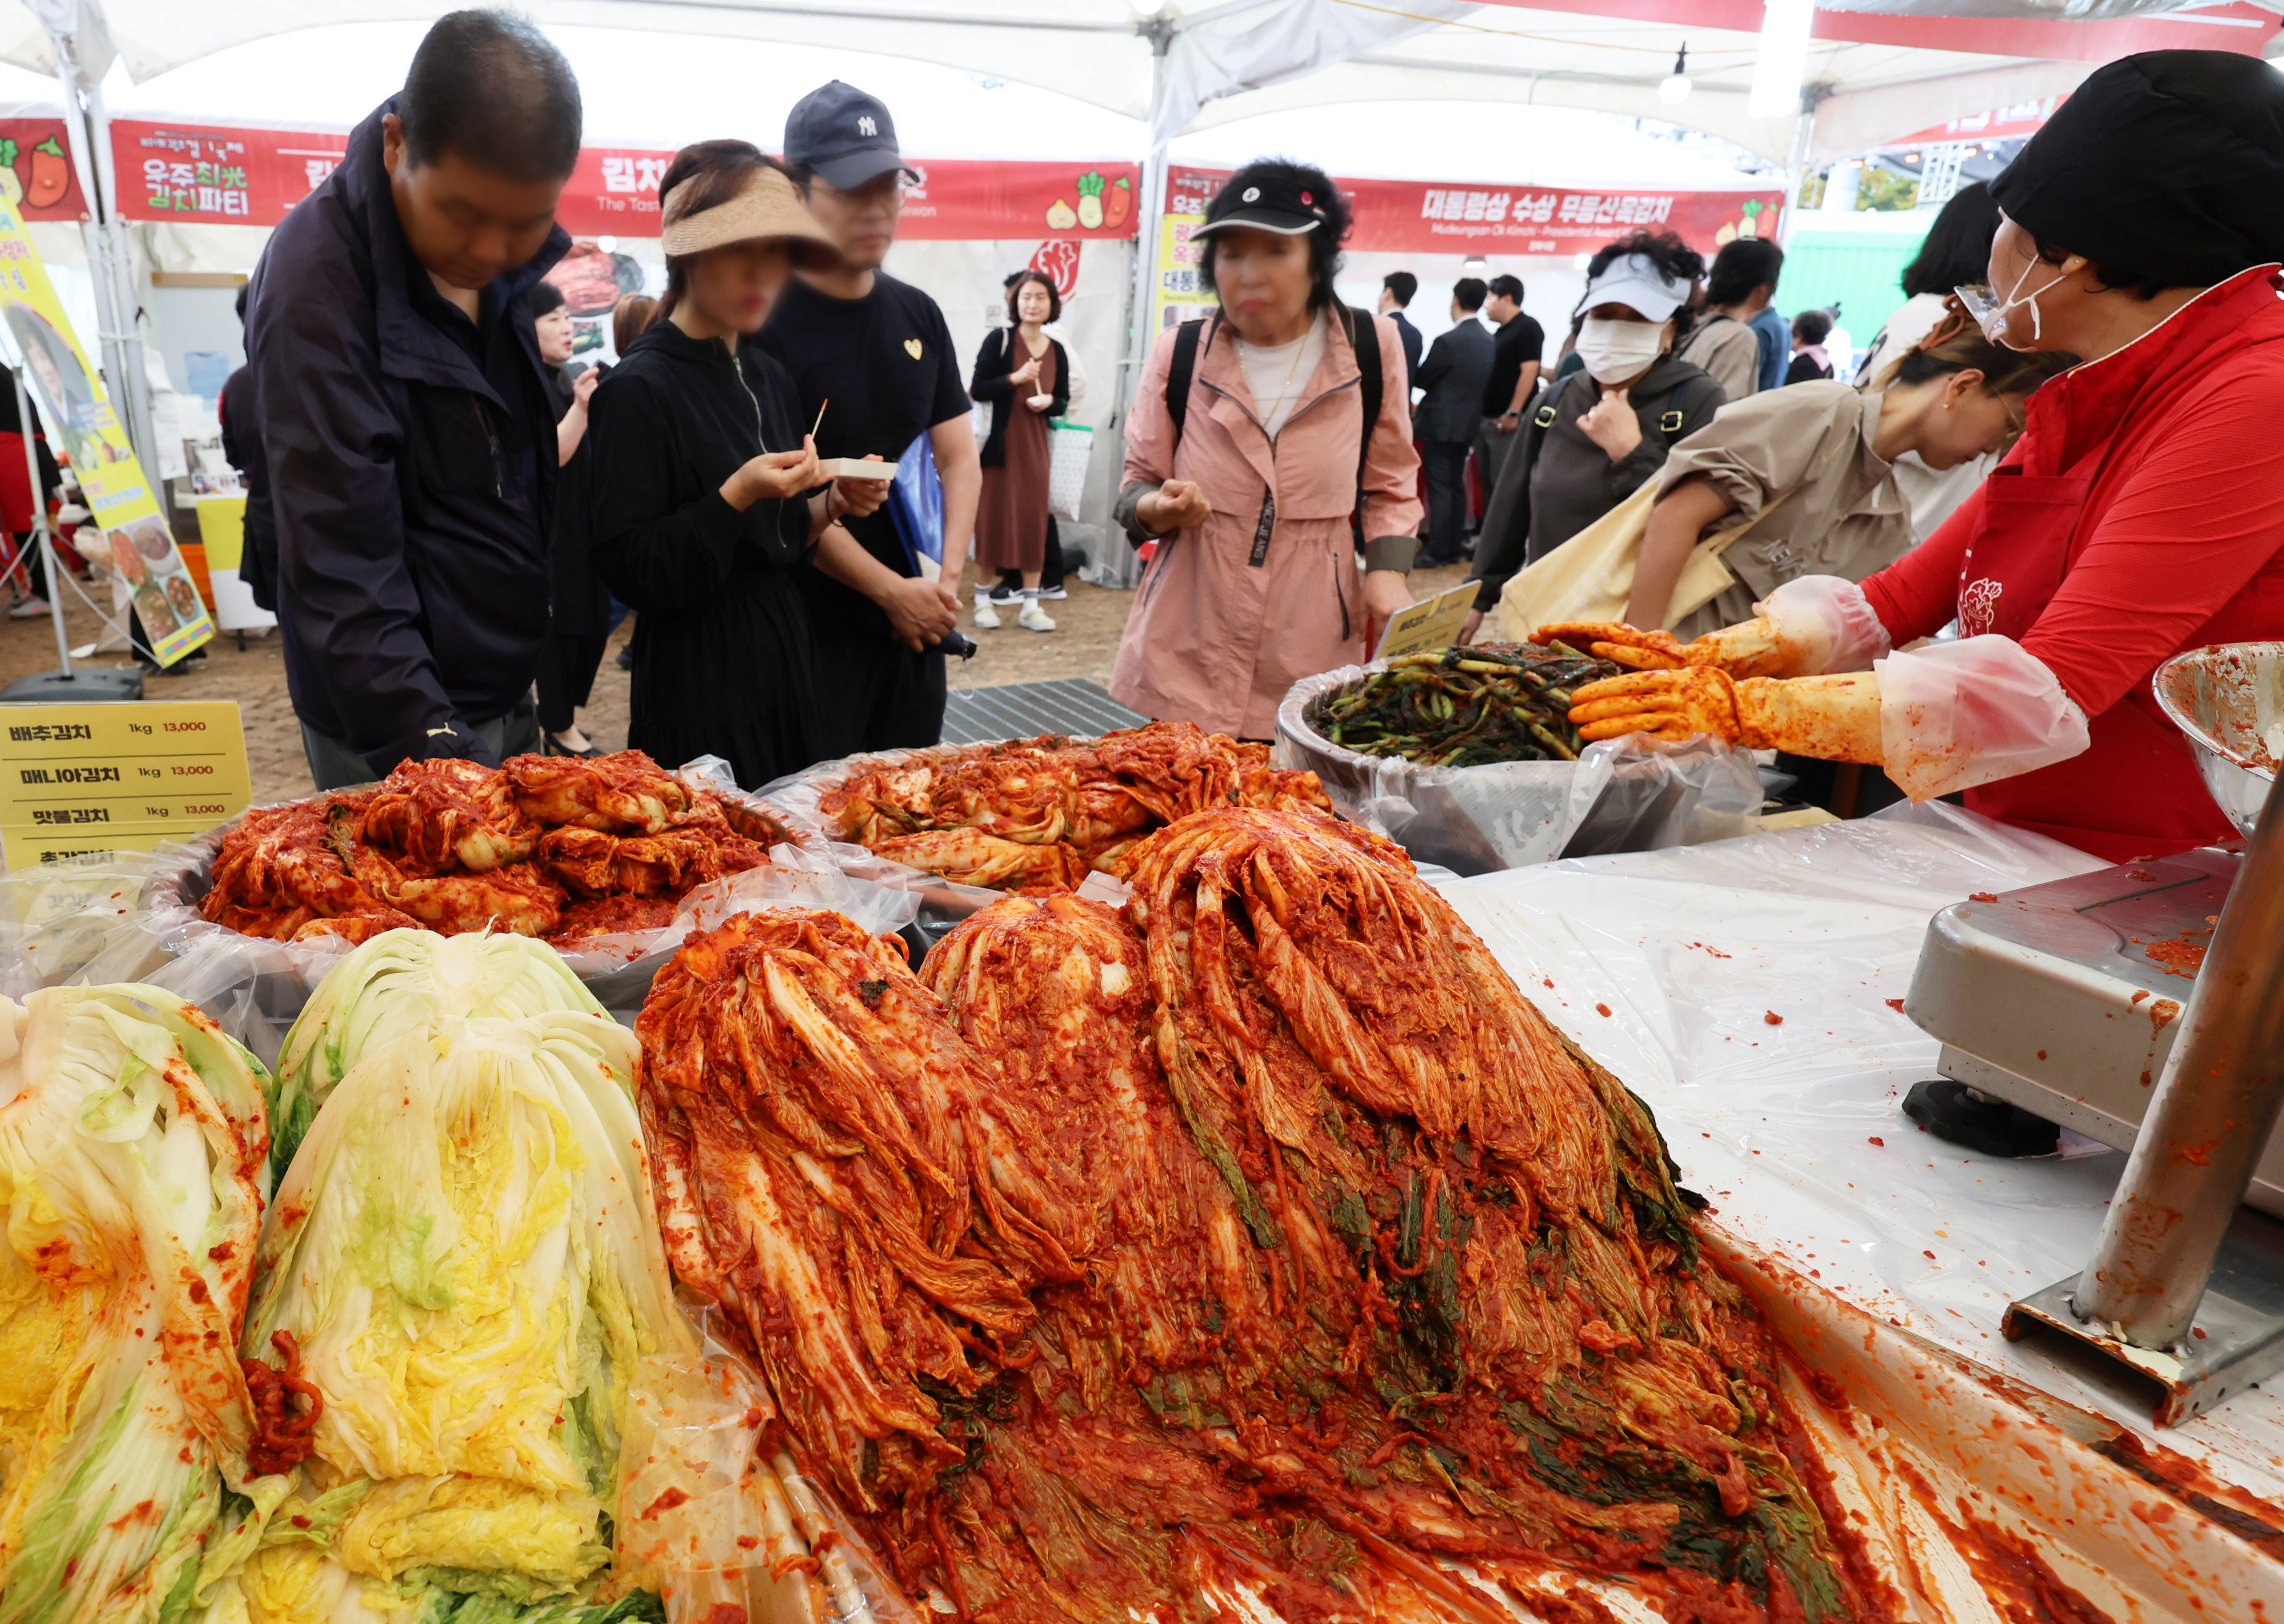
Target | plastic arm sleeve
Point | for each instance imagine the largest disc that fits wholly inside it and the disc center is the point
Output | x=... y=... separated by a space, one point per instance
x=1823 y=624
x=1956 y=714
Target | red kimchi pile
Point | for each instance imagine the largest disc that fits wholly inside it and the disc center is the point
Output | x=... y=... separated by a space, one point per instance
x=1037 y=814
x=1258 y=1237
x=557 y=847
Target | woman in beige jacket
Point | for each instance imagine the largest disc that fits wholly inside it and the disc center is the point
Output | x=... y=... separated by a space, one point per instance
x=1811 y=468
x=1254 y=582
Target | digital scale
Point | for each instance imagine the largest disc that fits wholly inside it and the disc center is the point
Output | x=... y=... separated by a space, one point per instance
x=2143 y=1006
x=2065 y=998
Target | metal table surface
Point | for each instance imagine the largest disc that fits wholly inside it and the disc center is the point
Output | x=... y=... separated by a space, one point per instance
x=1021 y=710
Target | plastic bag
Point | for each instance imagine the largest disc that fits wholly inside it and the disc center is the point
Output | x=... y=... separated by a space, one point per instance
x=1628 y=794
x=1956 y=714
x=1070 y=451
x=942 y=903
x=134 y=917
x=916 y=505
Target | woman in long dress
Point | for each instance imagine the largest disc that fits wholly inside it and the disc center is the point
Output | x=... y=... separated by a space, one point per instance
x=1026 y=377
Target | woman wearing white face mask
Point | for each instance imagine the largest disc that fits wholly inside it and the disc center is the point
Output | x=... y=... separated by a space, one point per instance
x=2141 y=514
x=1597 y=437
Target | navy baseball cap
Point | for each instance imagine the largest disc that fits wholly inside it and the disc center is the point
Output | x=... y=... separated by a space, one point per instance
x=842 y=133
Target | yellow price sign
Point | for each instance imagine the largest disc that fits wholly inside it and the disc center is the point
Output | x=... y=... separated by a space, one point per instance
x=1431 y=623
x=80 y=779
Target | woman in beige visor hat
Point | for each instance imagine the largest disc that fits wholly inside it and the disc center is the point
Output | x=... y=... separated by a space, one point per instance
x=709 y=495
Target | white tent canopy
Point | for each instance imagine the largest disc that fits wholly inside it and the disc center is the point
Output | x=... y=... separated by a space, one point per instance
x=1234 y=60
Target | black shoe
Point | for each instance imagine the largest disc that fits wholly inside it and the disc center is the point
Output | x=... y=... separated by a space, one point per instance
x=1964 y=1116
x=549 y=744
x=1052 y=593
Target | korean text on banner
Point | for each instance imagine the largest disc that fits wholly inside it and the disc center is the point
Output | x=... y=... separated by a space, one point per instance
x=146 y=566
x=76 y=779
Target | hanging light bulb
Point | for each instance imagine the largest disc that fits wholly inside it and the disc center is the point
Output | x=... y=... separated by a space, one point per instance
x=1674 y=89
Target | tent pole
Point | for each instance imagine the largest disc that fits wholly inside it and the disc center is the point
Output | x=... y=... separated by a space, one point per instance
x=1149 y=217
x=40 y=527
x=120 y=344
x=1804 y=134
x=134 y=385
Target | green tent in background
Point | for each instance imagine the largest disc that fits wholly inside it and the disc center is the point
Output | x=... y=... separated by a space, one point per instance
x=1855 y=260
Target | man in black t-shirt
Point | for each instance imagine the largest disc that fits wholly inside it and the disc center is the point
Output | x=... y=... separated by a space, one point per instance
x=1516 y=349
x=875 y=355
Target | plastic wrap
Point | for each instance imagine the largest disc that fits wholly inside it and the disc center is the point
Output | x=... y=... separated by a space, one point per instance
x=940 y=903
x=1824 y=624
x=1628 y=794
x=1666 y=966
x=1956 y=714
x=134 y=917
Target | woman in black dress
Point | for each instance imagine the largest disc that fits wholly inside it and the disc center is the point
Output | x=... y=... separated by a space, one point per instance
x=707 y=492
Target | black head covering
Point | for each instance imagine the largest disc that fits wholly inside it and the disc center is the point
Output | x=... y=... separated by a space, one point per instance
x=2169 y=164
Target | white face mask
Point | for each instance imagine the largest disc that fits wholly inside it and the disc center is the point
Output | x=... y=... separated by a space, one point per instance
x=1619 y=350
x=1990 y=312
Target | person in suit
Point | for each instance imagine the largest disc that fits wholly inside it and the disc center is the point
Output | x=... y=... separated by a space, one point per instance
x=1450 y=412
x=1396 y=289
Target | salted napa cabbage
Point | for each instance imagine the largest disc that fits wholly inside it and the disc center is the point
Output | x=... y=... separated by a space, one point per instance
x=399 y=978
x=131 y=1141
x=465 y=1251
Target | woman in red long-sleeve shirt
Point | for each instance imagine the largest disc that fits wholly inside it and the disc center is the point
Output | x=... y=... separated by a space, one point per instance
x=2141 y=514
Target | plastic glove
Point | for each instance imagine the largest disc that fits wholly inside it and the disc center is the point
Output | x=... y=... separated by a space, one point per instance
x=1750 y=648
x=1830 y=718
x=1819 y=623
x=1957 y=715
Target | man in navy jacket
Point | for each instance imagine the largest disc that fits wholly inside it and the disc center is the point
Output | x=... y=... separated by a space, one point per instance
x=402 y=411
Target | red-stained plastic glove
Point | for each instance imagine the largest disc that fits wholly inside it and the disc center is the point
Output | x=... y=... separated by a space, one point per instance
x=1670 y=704
x=1830 y=718
x=1749 y=649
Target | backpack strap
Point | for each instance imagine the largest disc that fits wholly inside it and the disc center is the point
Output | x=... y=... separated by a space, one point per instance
x=1364 y=338
x=1183 y=368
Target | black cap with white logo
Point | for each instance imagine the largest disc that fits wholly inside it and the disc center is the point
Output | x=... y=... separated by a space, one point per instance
x=1271 y=202
x=842 y=133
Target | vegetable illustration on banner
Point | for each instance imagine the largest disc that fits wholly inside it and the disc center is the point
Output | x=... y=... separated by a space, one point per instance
x=1057 y=261
x=146 y=566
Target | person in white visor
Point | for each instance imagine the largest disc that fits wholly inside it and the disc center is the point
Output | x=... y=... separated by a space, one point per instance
x=1601 y=432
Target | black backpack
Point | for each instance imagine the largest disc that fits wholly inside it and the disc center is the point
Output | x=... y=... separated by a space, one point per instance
x=1370 y=385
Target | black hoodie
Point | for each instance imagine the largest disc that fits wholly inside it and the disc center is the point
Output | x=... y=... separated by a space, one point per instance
x=409 y=462
x=721 y=644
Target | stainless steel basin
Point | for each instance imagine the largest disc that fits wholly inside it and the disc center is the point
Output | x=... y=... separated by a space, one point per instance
x=2229 y=701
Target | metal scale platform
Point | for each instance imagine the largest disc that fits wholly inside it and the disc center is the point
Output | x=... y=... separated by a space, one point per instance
x=2089 y=1001
x=2050 y=998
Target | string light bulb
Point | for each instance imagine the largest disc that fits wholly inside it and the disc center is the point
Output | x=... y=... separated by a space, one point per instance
x=1674 y=89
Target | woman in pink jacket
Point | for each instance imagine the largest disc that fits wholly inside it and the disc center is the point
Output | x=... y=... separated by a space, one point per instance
x=1247 y=480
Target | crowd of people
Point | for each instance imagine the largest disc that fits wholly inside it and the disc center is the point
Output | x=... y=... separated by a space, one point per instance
x=456 y=528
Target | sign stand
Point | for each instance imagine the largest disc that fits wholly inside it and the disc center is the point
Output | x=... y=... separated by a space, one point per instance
x=63 y=686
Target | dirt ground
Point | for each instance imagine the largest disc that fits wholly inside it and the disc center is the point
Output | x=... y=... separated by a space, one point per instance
x=1083 y=645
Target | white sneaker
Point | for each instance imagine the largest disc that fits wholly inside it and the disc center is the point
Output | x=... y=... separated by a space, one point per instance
x=987 y=618
x=30 y=609
x=1034 y=618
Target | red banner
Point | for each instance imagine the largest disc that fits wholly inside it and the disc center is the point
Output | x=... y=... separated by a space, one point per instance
x=1998 y=124
x=35 y=170
x=198 y=172
x=195 y=172
x=1422 y=216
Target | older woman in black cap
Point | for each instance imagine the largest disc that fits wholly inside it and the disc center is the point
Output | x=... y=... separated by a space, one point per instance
x=2141 y=513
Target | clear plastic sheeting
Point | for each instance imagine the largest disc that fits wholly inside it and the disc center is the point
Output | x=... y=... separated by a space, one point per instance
x=1628 y=794
x=1750 y=992
x=1956 y=714
x=1824 y=623
x=134 y=917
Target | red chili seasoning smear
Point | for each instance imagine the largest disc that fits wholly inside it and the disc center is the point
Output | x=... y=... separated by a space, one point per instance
x=1601 y=1009
x=1773 y=1018
x=1875 y=1139
x=1895 y=1004
x=2181 y=958
x=283 y=1437
x=1928 y=1256
x=666 y=1501
x=1982 y=896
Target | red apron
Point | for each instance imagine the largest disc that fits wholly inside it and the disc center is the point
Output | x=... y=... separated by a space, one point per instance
x=2137 y=764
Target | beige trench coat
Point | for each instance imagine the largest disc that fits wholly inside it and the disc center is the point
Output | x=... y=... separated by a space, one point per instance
x=1842 y=515
x=1227 y=618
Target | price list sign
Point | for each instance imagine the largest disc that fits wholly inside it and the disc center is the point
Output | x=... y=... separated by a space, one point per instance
x=77 y=780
